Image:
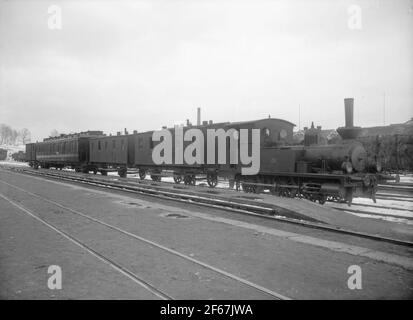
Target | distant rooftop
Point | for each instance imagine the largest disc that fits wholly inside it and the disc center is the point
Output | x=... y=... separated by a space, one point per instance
x=74 y=135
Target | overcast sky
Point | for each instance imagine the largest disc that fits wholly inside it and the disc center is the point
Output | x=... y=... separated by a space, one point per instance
x=142 y=65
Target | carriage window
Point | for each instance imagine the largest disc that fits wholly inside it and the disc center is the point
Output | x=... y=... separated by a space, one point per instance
x=122 y=144
x=113 y=144
x=99 y=146
x=266 y=132
x=93 y=146
x=106 y=145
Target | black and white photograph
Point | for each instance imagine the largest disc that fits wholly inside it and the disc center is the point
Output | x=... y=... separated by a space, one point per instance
x=217 y=153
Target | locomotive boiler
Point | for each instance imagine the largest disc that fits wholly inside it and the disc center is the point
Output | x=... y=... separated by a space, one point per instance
x=349 y=154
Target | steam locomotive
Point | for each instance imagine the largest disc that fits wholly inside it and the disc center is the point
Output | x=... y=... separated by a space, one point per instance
x=335 y=172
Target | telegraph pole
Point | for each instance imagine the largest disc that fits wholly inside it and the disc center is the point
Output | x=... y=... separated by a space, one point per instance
x=384 y=108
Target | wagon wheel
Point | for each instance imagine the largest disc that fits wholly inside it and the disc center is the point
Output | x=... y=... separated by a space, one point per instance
x=254 y=189
x=156 y=178
x=259 y=189
x=292 y=192
x=186 y=180
x=212 y=180
x=286 y=191
x=189 y=179
x=178 y=179
x=246 y=187
x=122 y=172
x=322 y=199
x=273 y=188
x=142 y=174
x=95 y=171
x=237 y=185
x=103 y=173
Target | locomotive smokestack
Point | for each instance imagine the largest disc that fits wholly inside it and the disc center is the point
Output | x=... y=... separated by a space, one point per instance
x=198 y=118
x=349 y=112
x=349 y=131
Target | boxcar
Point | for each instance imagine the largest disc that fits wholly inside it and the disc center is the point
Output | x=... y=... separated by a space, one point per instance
x=31 y=154
x=66 y=151
x=3 y=154
x=111 y=153
x=273 y=133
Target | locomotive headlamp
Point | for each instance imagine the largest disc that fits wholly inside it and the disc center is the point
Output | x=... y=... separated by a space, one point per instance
x=349 y=167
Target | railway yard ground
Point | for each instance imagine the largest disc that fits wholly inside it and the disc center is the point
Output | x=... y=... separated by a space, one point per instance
x=121 y=238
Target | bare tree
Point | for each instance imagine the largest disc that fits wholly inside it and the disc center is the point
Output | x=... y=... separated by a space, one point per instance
x=25 y=135
x=11 y=136
x=5 y=134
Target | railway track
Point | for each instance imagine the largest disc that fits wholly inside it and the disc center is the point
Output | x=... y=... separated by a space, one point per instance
x=369 y=213
x=398 y=184
x=118 y=266
x=396 y=197
x=404 y=190
x=388 y=211
x=212 y=201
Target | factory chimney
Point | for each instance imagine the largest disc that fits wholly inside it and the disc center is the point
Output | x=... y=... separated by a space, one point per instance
x=198 y=117
x=349 y=131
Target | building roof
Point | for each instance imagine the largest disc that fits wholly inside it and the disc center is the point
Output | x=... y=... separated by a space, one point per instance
x=259 y=120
